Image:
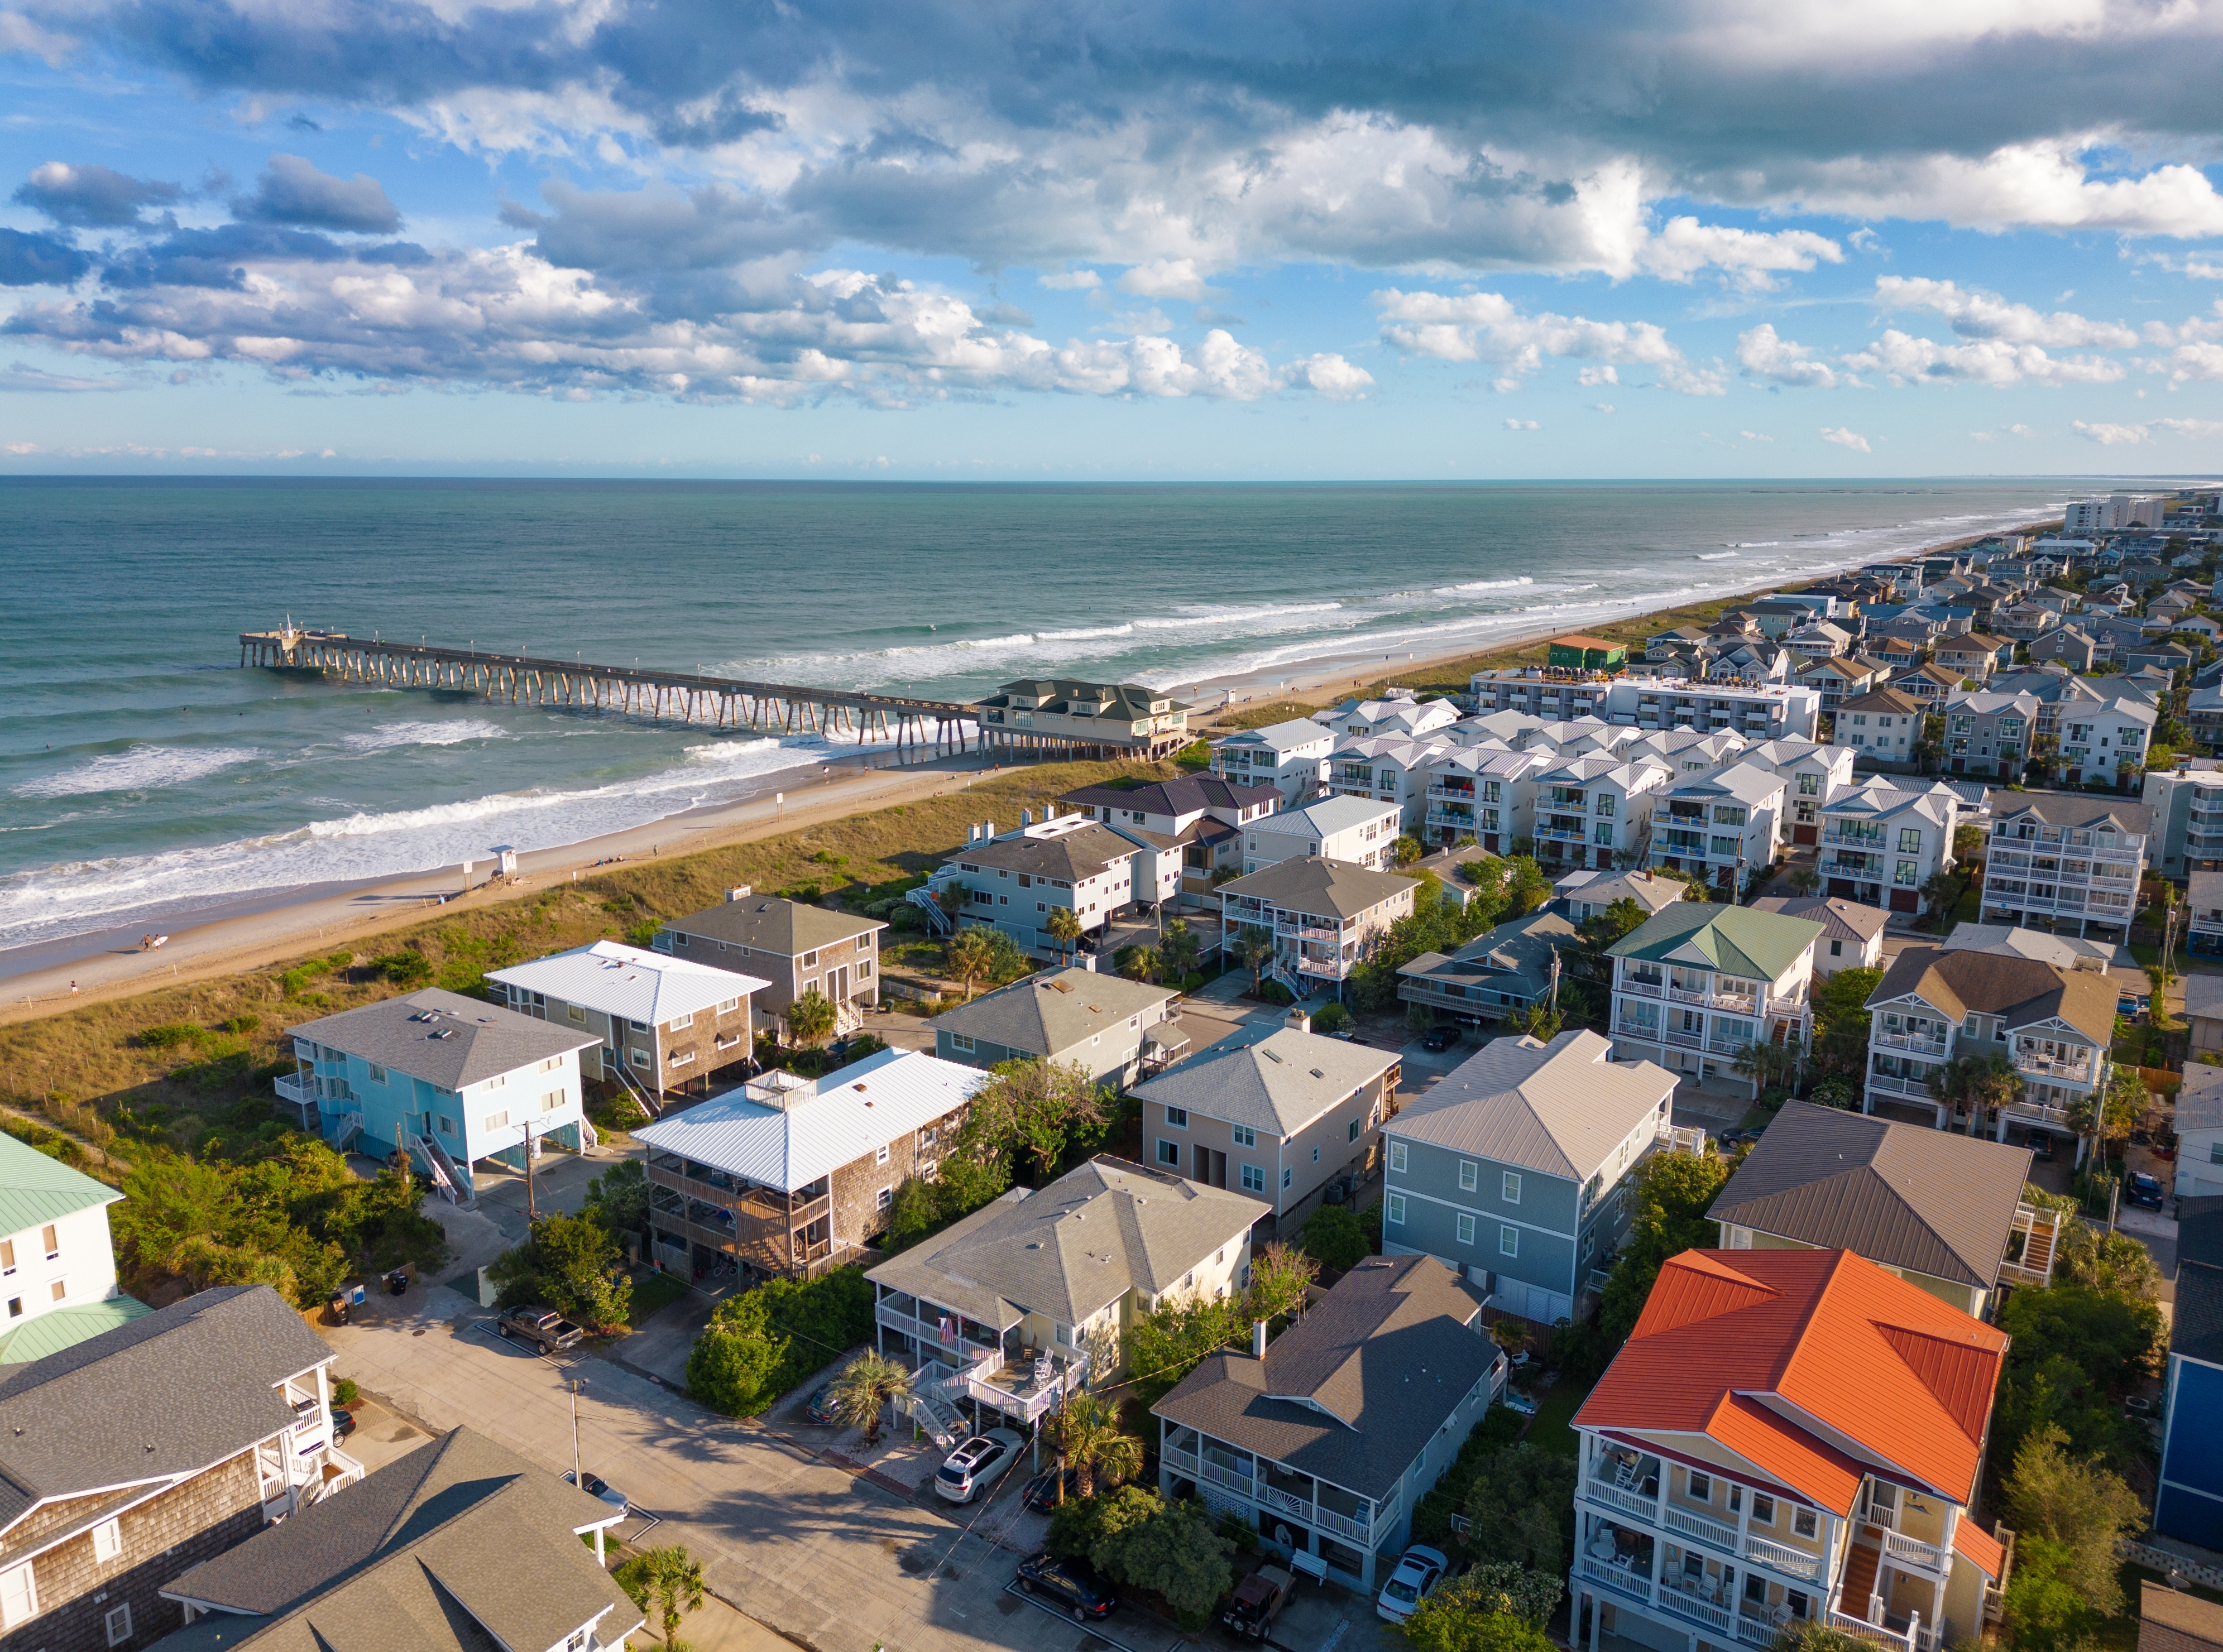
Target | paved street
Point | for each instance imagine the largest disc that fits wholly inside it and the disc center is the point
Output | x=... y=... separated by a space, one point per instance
x=823 y=1555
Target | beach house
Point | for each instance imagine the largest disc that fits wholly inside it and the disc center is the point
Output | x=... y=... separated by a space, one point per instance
x=1123 y=719
x=2065 y=861
x=1697 y=982
x=1311 y=922
x=791 y=948
x=1291 y=757
x=57 y=1268
x=448 y=1080
x=1595 y=810
x=1114 y=1027
x=666 y=1024
x=1884 y=839
x=1202 y=815
x=1359 y=830
x=1512 y=1169
x=2189 y=1502
x=1724 y=826
x=1015 y=880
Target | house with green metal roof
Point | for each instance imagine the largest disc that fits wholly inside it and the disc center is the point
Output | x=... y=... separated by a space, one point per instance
x=57 y=1268
x=1698 y=982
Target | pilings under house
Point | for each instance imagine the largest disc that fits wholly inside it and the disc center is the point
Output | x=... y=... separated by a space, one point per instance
x=914 y=727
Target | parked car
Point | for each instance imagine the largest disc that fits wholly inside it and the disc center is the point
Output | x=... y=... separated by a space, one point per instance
x=1419 y=1570
x=822 y=1409
x=595 y=1487
x=1073 y=1585
x=2144 y=1189
x=1257 y=1602
x=546 y=1329
x=978 y=1464
x=2040 y=1145
x=1041 y=1492
x=343 y=1423
x=1438 y=1038
x=1732 y=1140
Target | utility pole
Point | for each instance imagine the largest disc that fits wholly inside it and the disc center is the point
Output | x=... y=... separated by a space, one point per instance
x=575 y=1381
x=531 y=1209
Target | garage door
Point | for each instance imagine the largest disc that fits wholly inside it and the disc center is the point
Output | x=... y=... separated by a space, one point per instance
x=2201 y=1187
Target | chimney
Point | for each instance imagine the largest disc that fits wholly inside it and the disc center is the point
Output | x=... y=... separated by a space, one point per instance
x=1258 y=1340
x=1298 y=1018
x=987 y=831
x=1026 y=817
x=738 y=892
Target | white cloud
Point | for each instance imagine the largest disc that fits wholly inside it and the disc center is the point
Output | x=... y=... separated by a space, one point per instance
x=1331 y=376
x=1754 y=435
x=1603 y=406
x=1844 y=438
x=1906 y=359
x=1489 y=327
x=1750 y=259
x=2199 y=427
x=1763 y=354
x=1166 y=278
x=1505 y=386
x=2110 y=435
x=1072 y=280
x=1986 y=314
x=1590 y=378
x=1522 y=425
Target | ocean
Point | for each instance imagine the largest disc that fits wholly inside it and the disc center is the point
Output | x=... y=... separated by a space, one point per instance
x=143 y=776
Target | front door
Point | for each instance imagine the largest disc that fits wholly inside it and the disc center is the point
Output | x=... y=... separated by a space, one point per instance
x=837 y=984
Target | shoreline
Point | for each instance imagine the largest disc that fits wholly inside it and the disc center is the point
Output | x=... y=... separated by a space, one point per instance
x=242 y=932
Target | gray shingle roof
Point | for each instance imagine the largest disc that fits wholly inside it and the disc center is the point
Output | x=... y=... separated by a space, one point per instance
x=458 y=1541
x=1331 y=888
x=1051 y=1011
x=444 y=1037
x=769 y=923
x=1841 y=920
x=166 y=1395
x=1385 y=1356
x=1082 y=852
x=2020 y=990
x=1085 y=1241
x=1278 y=1080
x=1560 y=1108
x=1903 y=1195
x=1185 y=795
x=2196 y=1324
x=1515 y=954
x=2074 y=810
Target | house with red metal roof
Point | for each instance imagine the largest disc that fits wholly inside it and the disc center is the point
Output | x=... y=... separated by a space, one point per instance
x=1788 y=1436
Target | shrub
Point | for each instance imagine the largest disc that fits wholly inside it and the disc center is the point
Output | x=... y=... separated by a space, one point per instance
x=761 y=1343
x=403 y=969
x=1332 y=1235
x=1171 y=1549
x=643 y=934
x=344 y=1392
x=1370 y=1223
x=239 y=1024
x=170 y=1036
x=1192 y=981
x=1273 y=992
x=1331 y=1018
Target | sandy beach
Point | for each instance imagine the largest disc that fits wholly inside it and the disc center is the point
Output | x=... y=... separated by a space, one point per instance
x=275 y=925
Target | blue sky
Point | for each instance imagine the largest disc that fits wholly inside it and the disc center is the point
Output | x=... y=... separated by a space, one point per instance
x=1026 y=240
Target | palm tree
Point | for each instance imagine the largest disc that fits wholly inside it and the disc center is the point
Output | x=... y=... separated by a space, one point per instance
x=864 y=1390
x=971 y=954
x=1085 y=1431
x=1805 y=879
x=1181 y=948
x=1253 y=944
x=1064 y=929
x=1979 y=1083
x=811 y=1018
x=1145 y=964
x=675 y=1577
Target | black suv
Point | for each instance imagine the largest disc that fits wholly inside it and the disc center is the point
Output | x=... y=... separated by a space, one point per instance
x=1069 y=1584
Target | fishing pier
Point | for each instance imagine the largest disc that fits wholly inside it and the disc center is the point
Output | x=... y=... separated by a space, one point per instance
x=916 y=729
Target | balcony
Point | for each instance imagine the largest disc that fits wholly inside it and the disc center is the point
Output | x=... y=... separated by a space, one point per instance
x=1648 y=988
x=295 y=1088
x=1781 y=1557
x=1902 y=1550
x=1912 y=1043
x=2042 y=1112
x=1621 y=1580
x=1028 y=1386
x=1452 y=791
x=1621 y=1498
x=1681 y=1597
x=2077 y=1072
x=929 y=1335
x=1711 y=1533
x=1901 y=1085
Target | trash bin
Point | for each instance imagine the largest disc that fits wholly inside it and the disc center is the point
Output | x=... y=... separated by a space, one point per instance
x=397 y=1283
x=355 y=1295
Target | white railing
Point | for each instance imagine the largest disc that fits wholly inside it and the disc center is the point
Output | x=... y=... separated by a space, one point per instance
x=1778 y=1557
x=2044 y=1112
x=1680 y=1138
x=1268 y=1496
x=1913 y=1044
x=1621 y=1577
x=1174 y=1457
x=292 y=1087
x=1212 y=1471
x=1876 y=1634
x=1706 y=1531
x=1615 y=1497
x=1913 y=1551
x=1693 y=1607
x=1899 y=1084
x=1343 y=1525
x=2050 y=1067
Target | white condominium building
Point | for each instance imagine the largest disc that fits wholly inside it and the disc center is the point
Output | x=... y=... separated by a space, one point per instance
x=1292 y=758
x=1725 y=826
x=2065 y=861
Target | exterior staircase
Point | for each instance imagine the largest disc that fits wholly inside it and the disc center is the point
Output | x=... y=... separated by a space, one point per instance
x=938 y=922
x=633 y=1087
x=445 y=1174
x=933 y=1404
x=1861 y=1567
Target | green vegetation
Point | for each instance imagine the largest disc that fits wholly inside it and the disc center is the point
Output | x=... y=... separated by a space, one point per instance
x=868 y=1385
x=1670 y=1194
x=573 y=1266
x=1333 y=1235
x=1496 y=1429
x=1085 y=1433
x=2069 y=1514
x=2076 y=1352
x=1173 y=1550
x=1502 y=890
x=667 y=1582
x=762 y=1342
x=1499 y=1606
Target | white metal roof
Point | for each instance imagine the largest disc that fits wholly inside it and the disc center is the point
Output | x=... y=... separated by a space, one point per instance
x=852 y=1111
x=620 y=980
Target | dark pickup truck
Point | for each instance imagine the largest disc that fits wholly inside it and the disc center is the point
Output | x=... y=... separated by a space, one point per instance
x=1258 y=1600
x=546 y=1329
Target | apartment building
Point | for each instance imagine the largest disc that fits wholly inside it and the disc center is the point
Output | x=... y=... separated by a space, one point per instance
x=1725 y=826
x=1697 y=982
x=1882 y=840
x=1934 y=1005
x=1326 y=1439
x=57 y=1268
x=2186 y=801
x=1400 y=715
x=785 y=1176
x=1275 y=1111
x=133 y=1455
x=1810 y=773
x=1325 y=918
x=1789 y=1437
x=2113 y=514
x=2066 y=861
x=1291 y=757
x=1596 y=812
x=793 y=948
x=1990 y=733
x=1386 y=769
x=1758 y=711
x=1560 y=695
x=2104 y=739
x=674 y=1025
x=1201 y=815
x=1125 y=719
x=1884 y=726
x=1361 y=830
x=1485 y=794
x=1113 y=1028
x=1513 y=1169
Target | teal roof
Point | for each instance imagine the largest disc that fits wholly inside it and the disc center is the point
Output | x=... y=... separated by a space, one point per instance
x=35 y=1190
x=1735 y=939
x=64 y=1328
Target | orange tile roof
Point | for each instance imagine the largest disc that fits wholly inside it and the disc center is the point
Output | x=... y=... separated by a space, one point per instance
x=1972 y=1542
x=1736 y=1345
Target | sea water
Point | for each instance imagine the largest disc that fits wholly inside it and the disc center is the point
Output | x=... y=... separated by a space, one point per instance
x=144 y=776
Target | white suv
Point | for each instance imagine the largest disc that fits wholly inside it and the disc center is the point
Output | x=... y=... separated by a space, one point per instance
x=979 y=1463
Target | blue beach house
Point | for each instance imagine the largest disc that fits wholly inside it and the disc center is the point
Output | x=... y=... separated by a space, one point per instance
x=2188 y=1504
x=448 y=1080
x=1512 y=1169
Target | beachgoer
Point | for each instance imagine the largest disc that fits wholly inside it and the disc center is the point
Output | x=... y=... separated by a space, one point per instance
x=72 y=989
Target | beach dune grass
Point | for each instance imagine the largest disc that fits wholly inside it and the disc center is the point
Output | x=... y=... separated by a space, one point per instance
x=197 y=1049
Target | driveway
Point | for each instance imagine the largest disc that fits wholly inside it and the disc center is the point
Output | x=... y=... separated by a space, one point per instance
x=816 y=1551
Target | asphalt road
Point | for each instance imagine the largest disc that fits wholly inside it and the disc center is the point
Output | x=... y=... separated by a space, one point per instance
x=813 y=1550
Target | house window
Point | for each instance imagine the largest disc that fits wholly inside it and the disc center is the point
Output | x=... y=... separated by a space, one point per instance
x=377 y=1072
x=1702 y=1488
x=1468 y=1174
x=1354 y=1129
x=495 y=1122
x=729 y=1005
x=961 y=1041
x=678 y=1021
x=1508 y=1242
x=1397 y=1157
x=61 y=1288
x=1244 y=1134
x=1806 y=1522
x=1169 y=1152
x=639 y=1057
x=576 y=1641
x=15 y=1307
x=1393 y=1209
x=811 y=960
x=1466 y=1227
x=887 y=1195
x=447 y=1125
x=1763 y=1509
x=1177 y=1118
x=682 y=1058
x=1910 y=840
x=1254 y=1179
x=19 y=1596
x=119 y=1624
x=50 y=1236
x=576 y=1013
x=107 y=1540
x=1508 y=1188
x=7 y=1257
x=881 y=1157
x=1288 y=1175
x=1837 y=949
